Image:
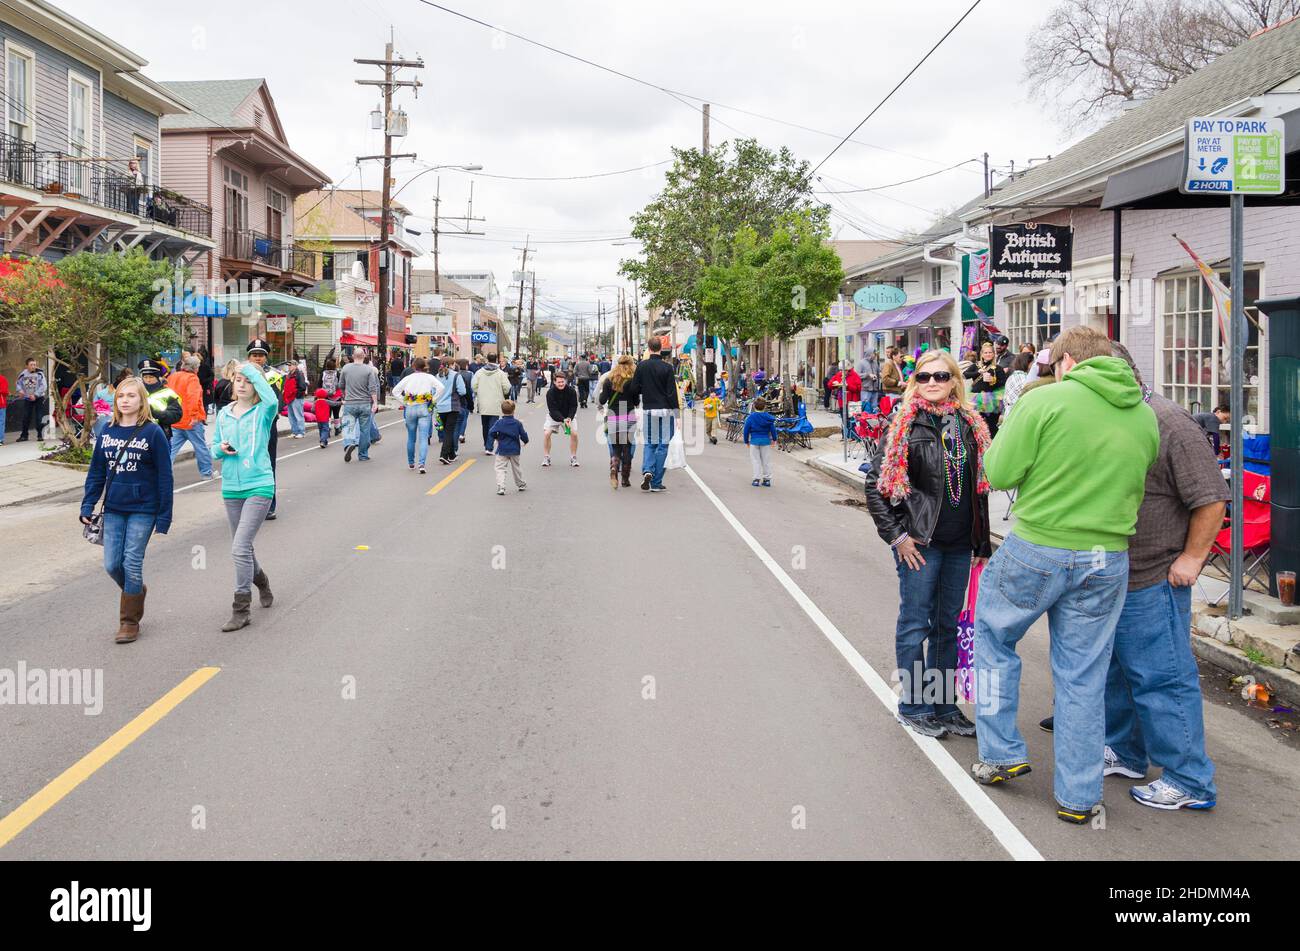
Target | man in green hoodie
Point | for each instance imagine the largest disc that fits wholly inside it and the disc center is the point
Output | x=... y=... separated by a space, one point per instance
x=1078 y=453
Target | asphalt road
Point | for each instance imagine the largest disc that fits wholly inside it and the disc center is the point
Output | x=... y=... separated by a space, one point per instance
x=473 y=683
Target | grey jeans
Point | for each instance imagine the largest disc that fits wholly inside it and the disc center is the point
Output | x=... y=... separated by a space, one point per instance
x=246 y=517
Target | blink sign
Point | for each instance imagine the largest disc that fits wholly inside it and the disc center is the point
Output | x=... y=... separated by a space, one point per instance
x=1234 y=157
x=879 y=298
x=1031 y=254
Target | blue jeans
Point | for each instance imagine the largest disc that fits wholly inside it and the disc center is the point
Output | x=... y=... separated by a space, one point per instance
x=296 y=420
x=871 y=401
x=196 y=437
x=1153 y=691
x=419 y=420
x=374 y=429
x=929 y=602
x=356 y=428
x=1082 y=594
x=125 y=539
x=658 y=433
x=461 y=424
x=4 y=410
x=323 y=429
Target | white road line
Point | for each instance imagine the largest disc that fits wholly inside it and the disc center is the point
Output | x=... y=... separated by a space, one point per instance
x=1003 y=829
x=216 y=478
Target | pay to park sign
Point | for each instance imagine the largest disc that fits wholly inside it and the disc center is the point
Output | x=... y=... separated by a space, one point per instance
x=1234 y=157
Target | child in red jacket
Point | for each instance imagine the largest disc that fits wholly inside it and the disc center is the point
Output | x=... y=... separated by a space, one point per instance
x=321 y=410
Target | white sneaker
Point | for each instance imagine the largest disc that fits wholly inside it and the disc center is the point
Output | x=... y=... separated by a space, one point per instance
x=1111 y=766
x=546 y=461
x=1164 y=795
x=573 y=461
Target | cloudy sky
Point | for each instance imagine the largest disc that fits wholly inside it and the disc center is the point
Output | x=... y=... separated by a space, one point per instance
x=524 y=112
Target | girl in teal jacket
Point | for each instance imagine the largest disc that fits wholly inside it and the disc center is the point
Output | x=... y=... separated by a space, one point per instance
x=240 y=439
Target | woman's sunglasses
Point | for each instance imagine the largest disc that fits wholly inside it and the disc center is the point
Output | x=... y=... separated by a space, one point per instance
x=942 y=376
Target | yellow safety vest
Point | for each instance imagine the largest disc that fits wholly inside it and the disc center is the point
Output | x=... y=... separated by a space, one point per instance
x=160 y=397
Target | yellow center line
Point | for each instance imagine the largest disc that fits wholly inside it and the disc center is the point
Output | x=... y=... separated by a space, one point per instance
x=84 y=768
x=447 y=481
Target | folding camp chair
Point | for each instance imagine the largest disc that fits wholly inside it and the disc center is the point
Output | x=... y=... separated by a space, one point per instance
x=1255 y=535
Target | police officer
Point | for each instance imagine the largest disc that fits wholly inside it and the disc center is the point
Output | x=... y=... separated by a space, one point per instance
x=164 y=402
x=259 y=352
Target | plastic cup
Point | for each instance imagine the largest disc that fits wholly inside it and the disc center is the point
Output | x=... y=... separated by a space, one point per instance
x=1286 y=587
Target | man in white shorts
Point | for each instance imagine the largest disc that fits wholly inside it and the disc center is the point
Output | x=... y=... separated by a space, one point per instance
x=561 y=407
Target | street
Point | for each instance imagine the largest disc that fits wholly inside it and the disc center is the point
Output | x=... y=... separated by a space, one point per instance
x=570 y=672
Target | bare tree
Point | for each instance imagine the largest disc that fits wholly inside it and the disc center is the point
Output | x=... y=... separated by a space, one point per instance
x=1092 y=56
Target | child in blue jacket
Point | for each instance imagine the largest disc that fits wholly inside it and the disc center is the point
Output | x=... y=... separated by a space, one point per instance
x=760 y=433
x=508 y=436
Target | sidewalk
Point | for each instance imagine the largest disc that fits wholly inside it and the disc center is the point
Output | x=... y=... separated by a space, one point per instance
x=24 y=478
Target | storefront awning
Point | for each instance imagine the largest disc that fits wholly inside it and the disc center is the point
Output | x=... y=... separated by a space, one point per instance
x=908 y=316
x=279 y=305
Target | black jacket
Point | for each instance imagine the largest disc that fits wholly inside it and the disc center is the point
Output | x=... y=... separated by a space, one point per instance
x=976 y=373
x=628 y=398
x=918 y=514
x=562 y=404
x=654 y=381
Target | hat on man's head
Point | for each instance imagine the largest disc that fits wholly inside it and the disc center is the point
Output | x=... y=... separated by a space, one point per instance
x=258 y=345
x=150 y=366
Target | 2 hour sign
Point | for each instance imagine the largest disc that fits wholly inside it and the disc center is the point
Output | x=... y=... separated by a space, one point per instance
x=1234 y=157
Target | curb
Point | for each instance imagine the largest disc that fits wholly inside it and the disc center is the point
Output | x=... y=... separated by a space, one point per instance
x=1285 y=683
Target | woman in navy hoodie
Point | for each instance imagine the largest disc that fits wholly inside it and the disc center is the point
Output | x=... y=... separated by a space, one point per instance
x=132 y=468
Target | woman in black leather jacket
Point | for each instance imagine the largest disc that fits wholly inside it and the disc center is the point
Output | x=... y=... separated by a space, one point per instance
x=929 y=499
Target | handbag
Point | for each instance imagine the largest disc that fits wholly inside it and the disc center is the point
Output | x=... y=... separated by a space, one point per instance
x=94 y=531
x=966 y=637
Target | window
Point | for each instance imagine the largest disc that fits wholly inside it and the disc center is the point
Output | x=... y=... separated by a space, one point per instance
x=236 y=199
x=80 y=125
x=276 y=207
x=327 y=266
x=936 y=282
x=406 y=284
x=20 y=69
x=1194 y=369
x=1033 y=320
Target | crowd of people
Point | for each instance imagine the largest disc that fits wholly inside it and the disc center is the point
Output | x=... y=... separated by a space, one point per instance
x=1119 y=498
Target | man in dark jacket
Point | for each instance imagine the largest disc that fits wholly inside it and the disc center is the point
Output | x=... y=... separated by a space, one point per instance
x=561 y=407
x=164 y=402
x=654 y=381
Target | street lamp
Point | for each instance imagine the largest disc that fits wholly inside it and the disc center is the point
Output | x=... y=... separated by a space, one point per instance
x=434 y=168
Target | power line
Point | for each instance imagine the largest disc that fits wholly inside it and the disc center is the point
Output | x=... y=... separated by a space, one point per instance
x=571 y=178
x=899 y=86
x=906 y=181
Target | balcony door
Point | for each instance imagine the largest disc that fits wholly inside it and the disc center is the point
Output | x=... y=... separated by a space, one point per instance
x=238 y=242
x=80 y=124
x=277 y=205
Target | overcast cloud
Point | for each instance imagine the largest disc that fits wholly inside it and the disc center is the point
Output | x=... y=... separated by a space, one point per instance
x=519 y=110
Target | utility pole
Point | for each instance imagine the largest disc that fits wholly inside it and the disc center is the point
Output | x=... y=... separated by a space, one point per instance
x=437 y=221
x=532 y=308
x=988 y=182
x=388 y=83
x=699 y=319
x=523 y=276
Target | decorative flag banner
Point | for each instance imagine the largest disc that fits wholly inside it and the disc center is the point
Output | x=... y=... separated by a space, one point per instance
x=1219 y=293
x=985 y=320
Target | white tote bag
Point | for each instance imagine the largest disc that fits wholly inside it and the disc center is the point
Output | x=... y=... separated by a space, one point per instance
x=676 y=451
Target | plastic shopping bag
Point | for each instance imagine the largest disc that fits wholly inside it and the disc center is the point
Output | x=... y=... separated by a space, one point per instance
x=676 y=451
x=966 y=638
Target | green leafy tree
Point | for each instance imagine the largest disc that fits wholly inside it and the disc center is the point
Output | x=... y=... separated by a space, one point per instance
x=85 y=308
x=775 y=286
x=707 y=199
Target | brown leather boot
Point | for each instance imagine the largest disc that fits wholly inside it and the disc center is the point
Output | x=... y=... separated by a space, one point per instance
x=263 y=583
x=130 y=607
x=627 y=473
x=239 y=611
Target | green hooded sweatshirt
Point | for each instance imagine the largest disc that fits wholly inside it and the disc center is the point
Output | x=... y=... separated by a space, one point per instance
x=1078 y=451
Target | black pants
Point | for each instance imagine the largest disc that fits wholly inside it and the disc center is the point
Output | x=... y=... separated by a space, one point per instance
x=273 y=447
x=620 y=459
x=584 y=390
x=487 y=425
x=449 y=443
x=33 y=410
x=992 y=420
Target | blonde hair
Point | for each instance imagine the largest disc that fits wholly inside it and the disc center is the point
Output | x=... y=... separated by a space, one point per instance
x=622 y=372
x=146 y=412
x=229 y=370
x=949 y=364
x=256 y=397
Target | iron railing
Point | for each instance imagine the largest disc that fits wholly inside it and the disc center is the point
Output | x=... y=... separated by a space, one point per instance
x=96 y=183
x=247 y=245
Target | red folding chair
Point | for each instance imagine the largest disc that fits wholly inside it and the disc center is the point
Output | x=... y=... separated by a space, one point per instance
x=1255 y=535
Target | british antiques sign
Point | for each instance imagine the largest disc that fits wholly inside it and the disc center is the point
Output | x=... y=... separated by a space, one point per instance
x=1031 y=254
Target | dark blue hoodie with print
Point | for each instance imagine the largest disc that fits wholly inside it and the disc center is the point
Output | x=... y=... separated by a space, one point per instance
x=143 y=480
